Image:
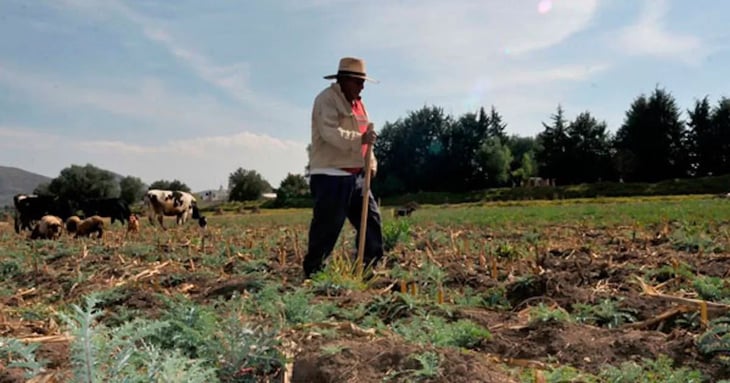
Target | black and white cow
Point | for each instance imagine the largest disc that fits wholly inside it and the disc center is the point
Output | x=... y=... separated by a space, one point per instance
x=161 y=203
x=31 y=208
x=114 y=208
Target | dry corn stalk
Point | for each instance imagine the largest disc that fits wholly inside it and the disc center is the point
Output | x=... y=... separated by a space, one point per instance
x=494 y=267
x=414 y=289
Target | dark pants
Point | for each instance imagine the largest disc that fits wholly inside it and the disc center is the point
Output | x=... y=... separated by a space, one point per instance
x=337 y=198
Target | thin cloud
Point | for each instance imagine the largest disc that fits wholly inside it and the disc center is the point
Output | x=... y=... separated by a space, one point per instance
x=649 y=37
x=460 y=53
x=201 y=162
x=143 y=102
x=231 y=78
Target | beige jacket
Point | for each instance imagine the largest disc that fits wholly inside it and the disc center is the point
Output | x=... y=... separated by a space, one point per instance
x=336 y=139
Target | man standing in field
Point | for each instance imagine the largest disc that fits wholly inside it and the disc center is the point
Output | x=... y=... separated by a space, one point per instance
x=340 y=135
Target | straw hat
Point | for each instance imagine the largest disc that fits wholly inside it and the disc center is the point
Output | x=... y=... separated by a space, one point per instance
x=351 y=67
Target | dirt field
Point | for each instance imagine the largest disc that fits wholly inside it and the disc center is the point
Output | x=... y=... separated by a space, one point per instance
x=456 y=300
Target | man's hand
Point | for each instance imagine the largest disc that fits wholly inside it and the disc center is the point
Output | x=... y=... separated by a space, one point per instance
x=369 y=136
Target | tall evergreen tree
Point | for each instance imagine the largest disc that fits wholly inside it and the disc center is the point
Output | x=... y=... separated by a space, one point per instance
x=496 y=126
x=554 y=143
x=721 y=124
x=704 y=141
x=651 y=143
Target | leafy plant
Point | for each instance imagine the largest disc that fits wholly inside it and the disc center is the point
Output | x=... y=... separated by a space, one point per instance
x=542 y=314
x=297 y=308
x=9 y=268
x=124 y=354
x=399 y=305
x=395 y=231
x=17 y=354
x=431 y=274
x=667 y=272
x=341 y=272
x=694 y=239
x=506 y=250
x=561 y=374
x=429 y=367
x=711 y=288
x=716 y=340
x=247 y=353
x=607 y=313
x=190 y=328
x=659 y=370
x=436 y=331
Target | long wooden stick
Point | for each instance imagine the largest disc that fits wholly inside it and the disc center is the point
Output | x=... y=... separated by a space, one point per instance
x=364 y=212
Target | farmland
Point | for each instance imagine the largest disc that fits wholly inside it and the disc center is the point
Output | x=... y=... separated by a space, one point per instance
x=595 y=290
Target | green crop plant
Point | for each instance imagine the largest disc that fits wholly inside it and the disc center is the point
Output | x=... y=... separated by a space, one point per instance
x=711 y=288
x=715 y=342
x=437 y=331
x=395 y=231
x=16 y=354
x=429 y=368
x=607 y=313
x=660 y=370
x=543 y=314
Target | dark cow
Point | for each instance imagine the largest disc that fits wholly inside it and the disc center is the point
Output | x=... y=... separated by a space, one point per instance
x=403 y=212
x=114 y=208
x=31 y=208
x=161 y=203
x=406 y=210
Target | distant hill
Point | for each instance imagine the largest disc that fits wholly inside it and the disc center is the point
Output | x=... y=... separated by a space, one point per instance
x=14 y=181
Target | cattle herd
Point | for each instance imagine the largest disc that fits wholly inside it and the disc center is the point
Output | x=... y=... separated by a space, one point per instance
x=47 y=217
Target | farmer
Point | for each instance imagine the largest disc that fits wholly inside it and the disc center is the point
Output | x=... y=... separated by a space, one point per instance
x=341 y=133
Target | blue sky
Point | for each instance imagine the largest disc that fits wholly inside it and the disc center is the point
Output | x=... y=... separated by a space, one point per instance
x=192 y=90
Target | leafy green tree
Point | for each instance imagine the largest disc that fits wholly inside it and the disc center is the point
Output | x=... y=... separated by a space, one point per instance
x=43 y=189
x=293 y=186
x=652 y=139
x=77 y=183
x=246 y=185
x=460 y=170
x=519 y=147
x=526 y=169
x=495 y=158
x=309 y=153
x=174 y=185
x=412 y=150
x=589 y=150
x=131 y=189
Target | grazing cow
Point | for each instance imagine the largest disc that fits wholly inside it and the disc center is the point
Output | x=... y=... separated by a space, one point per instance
x=72 y=224
x=49 y=227
x=133 y=226
x=16 y=202
x=30 y=208
x=405 y=211
x=114 y=208
x=161 y=203
x=86 y=227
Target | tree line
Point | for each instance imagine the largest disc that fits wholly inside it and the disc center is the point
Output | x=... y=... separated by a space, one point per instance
x=79 y=183
x=431 y=151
